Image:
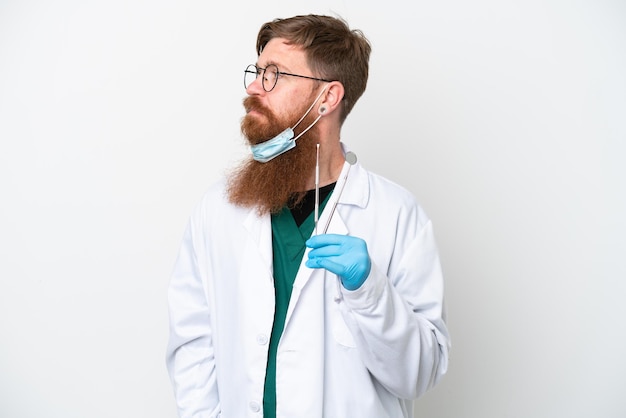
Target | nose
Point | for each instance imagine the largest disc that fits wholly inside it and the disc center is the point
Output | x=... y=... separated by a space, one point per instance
x=255 y=87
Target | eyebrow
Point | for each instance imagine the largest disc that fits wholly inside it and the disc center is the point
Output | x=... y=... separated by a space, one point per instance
x=281 y=68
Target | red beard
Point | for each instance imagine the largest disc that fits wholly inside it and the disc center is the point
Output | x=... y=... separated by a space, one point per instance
x=281 y=181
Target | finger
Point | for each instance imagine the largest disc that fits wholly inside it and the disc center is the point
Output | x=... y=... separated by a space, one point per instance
x=328 y=264
x=325 y=251
x=325 y=239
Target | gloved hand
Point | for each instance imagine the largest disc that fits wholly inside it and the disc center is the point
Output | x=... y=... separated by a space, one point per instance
x=343 y=255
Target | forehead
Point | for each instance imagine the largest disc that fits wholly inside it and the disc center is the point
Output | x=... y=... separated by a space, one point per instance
x=286 y=57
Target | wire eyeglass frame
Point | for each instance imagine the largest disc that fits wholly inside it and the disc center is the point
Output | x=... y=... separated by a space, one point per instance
x=256 y=71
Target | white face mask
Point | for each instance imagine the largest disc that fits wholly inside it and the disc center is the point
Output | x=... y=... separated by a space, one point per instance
x=284 y=141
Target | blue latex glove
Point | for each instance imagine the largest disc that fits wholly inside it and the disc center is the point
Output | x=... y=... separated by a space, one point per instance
x=343 y=255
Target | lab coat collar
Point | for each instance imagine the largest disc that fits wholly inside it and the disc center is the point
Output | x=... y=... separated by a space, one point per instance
x=357 y=190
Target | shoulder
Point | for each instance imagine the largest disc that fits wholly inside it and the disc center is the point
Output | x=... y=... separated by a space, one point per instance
x=384 y=186
x=395 y=194
x=213 y=197
x=393 y=197
x=215 y=206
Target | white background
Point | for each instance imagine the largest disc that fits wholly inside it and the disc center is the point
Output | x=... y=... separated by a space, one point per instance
x=507 y=119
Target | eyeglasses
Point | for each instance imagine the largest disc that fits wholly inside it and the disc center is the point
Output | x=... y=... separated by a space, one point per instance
x=269 y=76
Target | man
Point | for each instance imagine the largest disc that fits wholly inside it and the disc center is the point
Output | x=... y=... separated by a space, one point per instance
x=305 y=285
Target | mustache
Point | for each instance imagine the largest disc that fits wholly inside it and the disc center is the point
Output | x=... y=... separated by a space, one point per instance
x=254 y=103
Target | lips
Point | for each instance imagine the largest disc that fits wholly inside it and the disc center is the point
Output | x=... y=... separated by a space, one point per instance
x=253 y=111
x=252 y=105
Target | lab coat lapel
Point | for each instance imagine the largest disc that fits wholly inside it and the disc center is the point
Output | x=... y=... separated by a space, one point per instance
x=260 y=230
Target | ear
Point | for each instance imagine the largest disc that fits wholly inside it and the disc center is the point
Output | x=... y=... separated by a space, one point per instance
x=332 y=99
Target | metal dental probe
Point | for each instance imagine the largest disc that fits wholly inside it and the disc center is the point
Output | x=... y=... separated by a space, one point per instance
x=317 y=187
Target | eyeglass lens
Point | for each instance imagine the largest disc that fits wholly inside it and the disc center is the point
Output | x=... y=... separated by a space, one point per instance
x=269 y=76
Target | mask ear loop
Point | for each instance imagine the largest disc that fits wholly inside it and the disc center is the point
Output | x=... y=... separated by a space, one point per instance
x=310 y=126
x=307 y=112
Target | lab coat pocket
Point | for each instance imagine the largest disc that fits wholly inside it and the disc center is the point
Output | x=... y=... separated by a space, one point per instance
x=341 y=333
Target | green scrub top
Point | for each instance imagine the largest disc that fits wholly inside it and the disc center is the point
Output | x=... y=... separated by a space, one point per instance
x=288 y=243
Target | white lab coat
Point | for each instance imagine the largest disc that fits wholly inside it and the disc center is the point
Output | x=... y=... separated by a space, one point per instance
x=363 y=353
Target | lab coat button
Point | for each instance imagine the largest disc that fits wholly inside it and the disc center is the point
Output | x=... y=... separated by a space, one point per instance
x=254 y=406
x=261 y=339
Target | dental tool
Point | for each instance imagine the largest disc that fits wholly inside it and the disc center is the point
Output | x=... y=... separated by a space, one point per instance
x=317 y=187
